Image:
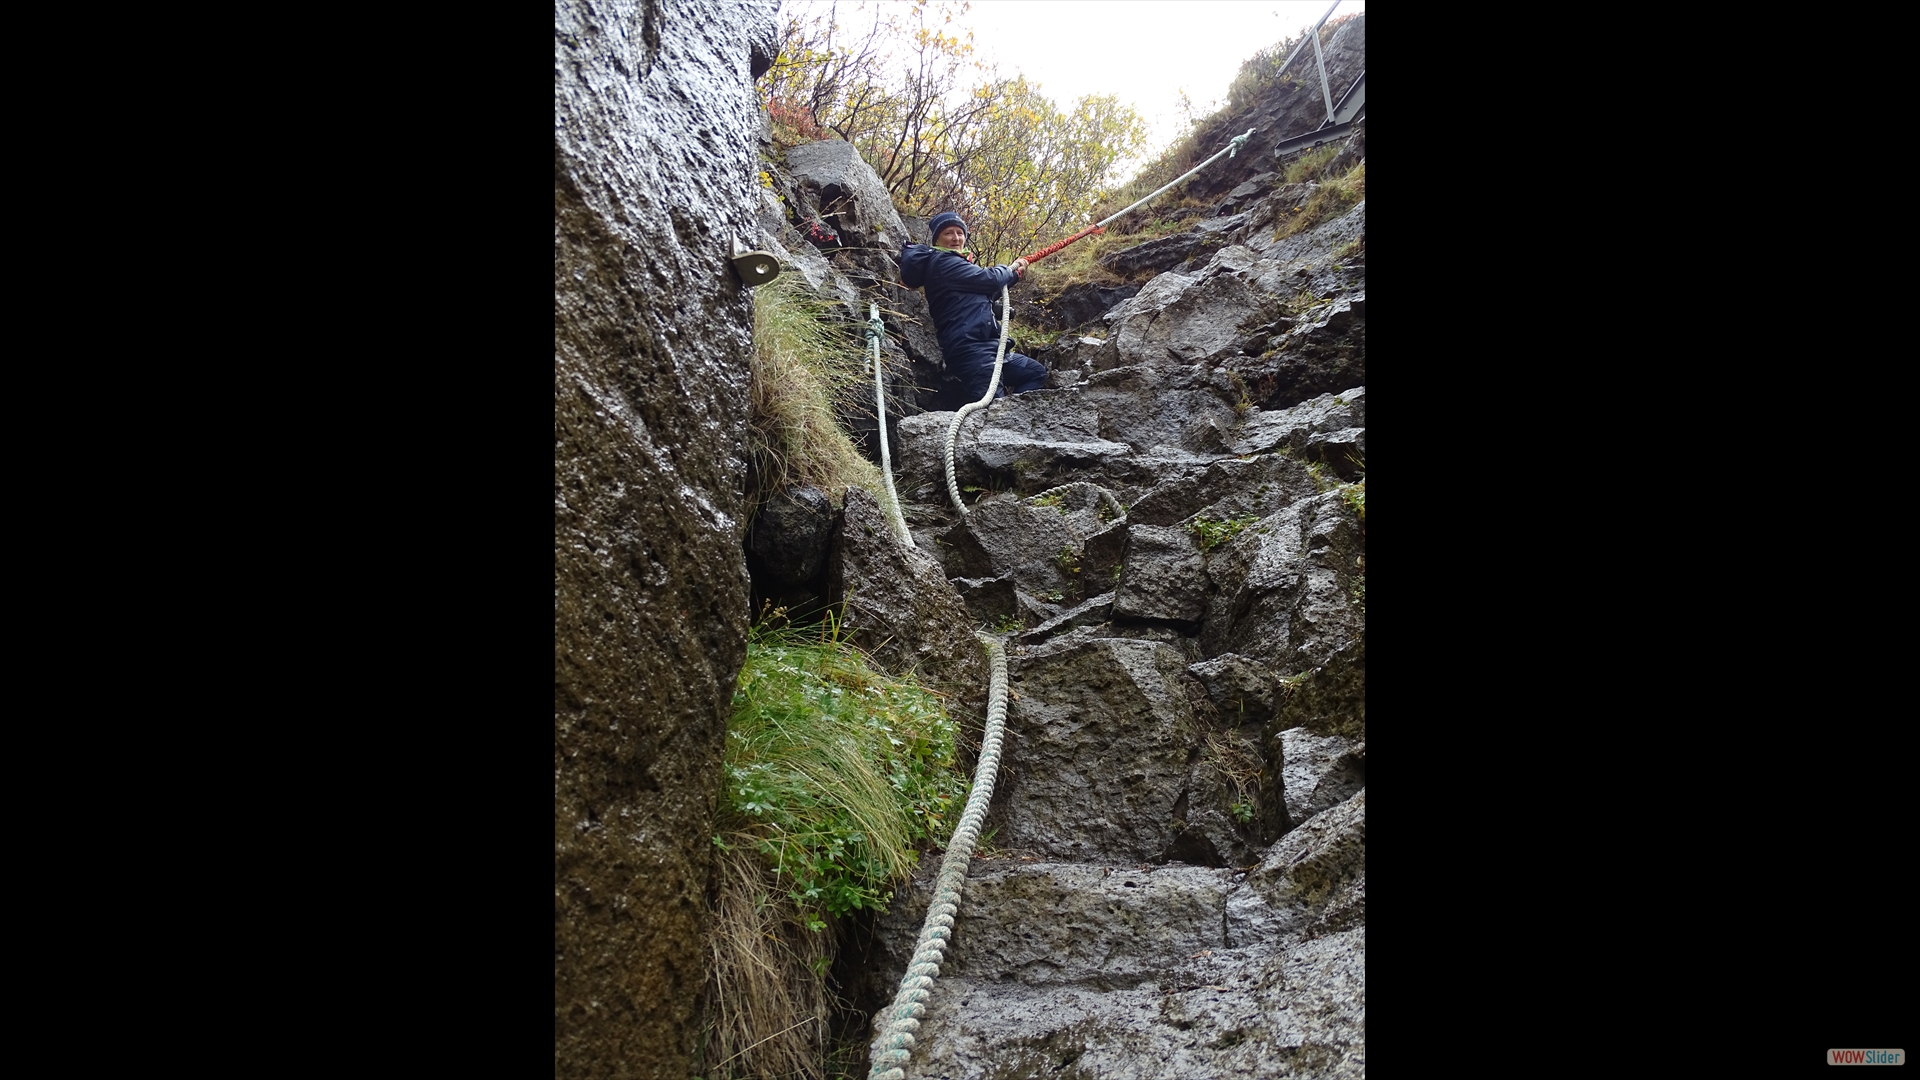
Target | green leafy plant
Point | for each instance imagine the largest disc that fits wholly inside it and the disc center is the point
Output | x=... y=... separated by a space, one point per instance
x=832 y=774
x=1318 y=470
x=1245 y=405
x=1008 y=624
x=1069 y=560
x=1356 y=498
x=1242 y=811
x=1212 y=534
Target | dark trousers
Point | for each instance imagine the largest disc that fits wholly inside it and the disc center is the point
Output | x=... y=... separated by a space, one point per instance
x=1017 y=376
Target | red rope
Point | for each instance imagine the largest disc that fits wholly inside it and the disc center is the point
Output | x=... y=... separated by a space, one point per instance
x=1091 y=230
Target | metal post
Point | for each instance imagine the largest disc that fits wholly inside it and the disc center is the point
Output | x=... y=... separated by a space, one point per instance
x=1325 y=92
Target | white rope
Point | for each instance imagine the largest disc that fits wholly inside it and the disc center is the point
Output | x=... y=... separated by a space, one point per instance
x=894 y=1047
x=1006 y=320
x=875 y=330
x=1233 y=147
x=1106 y=496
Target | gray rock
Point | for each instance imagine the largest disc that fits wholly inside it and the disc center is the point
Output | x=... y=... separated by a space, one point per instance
x=1080 y=304
x=1157 y=405
x=1114 y=926
x=988 y=600
x=1297 y=1011
x=1195 y=319
x=1345 y=450
x=1226 y=490
x=851 y=198
x=1164 y=576
x=1331 y=699
x=1316 y=875
x=1284 y=589
x=1263 y=431
x=899 y=607
x=1319 y=771
x=1245 y=691
x=1100 y=735
x=1097 y=610
x=1004 y=537
x=1154 y=256
x=655 y=122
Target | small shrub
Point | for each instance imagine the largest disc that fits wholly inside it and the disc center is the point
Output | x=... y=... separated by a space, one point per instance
x=834 y=770
x=1212 y=534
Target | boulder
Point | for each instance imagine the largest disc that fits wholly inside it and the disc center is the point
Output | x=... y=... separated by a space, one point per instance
x=1243 y=690
x=1263 y=431
x=899 y=608
x=1316 y=876
x=850 y=196
x=1227 y=490
x=1102 y=739
x=1164 y=576
x=1005 y=537
x=1320 y=772
x=1331 y=699
x=1153 y=256
x=1284 y=588
x=1079 y=304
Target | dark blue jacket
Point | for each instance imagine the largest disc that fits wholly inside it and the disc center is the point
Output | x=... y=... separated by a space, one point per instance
x=961 y=297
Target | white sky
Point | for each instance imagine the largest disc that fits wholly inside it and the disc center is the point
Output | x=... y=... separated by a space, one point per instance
x=1143 y=51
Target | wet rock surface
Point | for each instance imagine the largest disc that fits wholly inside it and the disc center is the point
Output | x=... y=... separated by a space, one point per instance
x=654 y=127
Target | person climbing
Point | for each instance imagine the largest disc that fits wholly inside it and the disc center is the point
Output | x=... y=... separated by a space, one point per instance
x=961 y=295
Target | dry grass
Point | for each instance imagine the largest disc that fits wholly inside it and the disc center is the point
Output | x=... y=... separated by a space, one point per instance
x=1080 y=261
x=1330 y=200
x=803 y=368
x=1308 y=166
x=770 y=1008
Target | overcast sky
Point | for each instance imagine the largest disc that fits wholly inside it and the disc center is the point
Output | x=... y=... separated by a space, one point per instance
x=1143 y=51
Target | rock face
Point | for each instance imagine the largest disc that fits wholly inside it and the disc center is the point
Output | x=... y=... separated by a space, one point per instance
x=654 y=115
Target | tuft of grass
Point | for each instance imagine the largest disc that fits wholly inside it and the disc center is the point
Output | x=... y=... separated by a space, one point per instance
x=1212 y=534
x=834 y=772
x=1329 y=200
x=1235 y=758
x=1309 y=165
x=770 y=1011
x=804 y=369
